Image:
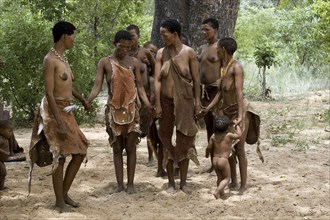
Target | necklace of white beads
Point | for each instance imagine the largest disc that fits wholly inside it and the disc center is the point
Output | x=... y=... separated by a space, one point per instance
x=63 y=59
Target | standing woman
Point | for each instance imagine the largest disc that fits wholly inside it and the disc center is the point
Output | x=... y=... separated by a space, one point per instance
x=230 y=102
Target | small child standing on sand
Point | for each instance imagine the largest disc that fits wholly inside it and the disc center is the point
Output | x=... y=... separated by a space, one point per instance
x=221 y=142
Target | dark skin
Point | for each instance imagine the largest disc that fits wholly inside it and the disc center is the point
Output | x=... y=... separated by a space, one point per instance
x=231 y=91
x=147 y=69
x=58 y=83
x=209 y=70
x=124 y=141
x=220 y=144
x=185 y=58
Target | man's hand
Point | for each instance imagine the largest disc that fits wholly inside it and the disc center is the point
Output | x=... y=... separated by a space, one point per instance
x=88 y=106
x=202 y=112
x=158 y=111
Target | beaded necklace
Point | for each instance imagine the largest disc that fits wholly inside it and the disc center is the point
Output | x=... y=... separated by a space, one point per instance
x=224 y=70
x=63 y=59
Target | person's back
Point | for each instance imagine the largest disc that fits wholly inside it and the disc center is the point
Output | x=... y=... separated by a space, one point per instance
x=221 y=142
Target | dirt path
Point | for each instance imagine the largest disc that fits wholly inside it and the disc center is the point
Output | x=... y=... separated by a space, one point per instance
x=294 y=181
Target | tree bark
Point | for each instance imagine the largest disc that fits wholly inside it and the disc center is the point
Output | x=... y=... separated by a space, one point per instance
x=191 y=13
x=264 y=82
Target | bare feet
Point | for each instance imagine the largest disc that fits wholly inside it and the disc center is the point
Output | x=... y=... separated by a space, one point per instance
x=242 y=190
x=62 y=208
x=70 y=202
x=130 y=189
x=118 y=189
x=161 y=173
x=219 y=195
x=186 y=189
x=216 y=195
x=170 y=189
x=232 y=186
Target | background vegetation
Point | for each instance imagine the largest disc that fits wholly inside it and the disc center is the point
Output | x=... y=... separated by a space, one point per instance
x=297 y=32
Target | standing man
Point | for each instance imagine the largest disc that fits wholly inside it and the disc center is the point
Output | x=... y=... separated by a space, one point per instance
x=59 y=125
x=209 y=72
x=177 y=92
x=122 y=74
x=147 y=69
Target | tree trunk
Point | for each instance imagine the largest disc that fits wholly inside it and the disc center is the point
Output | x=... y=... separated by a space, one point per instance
x=191 y=13
x=264 y=82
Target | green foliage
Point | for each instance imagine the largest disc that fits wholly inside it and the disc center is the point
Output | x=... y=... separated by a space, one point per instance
x=25 y=36
x=264 y=56
x=298 y=32
x=325 y=116
x=21 y=82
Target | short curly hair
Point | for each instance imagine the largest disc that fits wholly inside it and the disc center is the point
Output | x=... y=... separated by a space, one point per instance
x=213 y=23
x=122 y=34
x=172 y=26
x=60 y=28
x=221 y=123
x=229 y=44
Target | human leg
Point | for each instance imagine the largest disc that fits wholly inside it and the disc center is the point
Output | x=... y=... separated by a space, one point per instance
x=242 y=159
x=232 y=164
x=223 y=173
x=160 y=156
x=70 y=174
x=117 y=149
x=151 y=160
x=184 y=164
x=131 y=160
x=165 y=132
x=208 y=120
x=58 y=187
x=170 y=175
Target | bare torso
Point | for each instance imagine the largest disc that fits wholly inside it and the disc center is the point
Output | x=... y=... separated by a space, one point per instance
x=228 y=89
x=141 y=55
x=62 y=78
x=182 y=61
x=209 y=68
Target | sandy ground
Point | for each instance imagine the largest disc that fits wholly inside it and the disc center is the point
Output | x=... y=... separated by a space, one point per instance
x=293 y=183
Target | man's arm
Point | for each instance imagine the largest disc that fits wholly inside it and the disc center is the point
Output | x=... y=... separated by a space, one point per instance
x=83 y=101
x=157 y=82
x=193 y=63
x=142 y=93
x=152 y=63
x=98 y=80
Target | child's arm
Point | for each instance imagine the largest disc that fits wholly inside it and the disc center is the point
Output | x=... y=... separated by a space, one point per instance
x=237 y=134
x=209 y=147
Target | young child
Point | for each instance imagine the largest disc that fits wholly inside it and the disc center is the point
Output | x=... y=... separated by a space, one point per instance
x=5 y=133
x=221 y=142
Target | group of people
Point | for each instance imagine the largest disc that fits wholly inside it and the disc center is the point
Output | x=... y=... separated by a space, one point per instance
x=150 y=93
